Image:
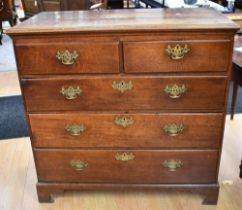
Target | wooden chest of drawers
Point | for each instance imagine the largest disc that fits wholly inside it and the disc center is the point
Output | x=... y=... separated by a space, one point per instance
x=129 y=99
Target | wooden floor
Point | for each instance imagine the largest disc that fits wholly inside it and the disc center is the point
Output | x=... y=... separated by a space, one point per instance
x=18 y=178
x=9 y=84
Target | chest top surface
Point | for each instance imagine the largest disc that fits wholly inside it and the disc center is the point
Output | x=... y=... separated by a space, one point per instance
x=124 y=21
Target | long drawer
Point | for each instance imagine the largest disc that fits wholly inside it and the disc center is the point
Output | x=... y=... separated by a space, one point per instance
x=73 y=130
x=177 y=56
x=116 y=166
x=70 y=56
x=192 y=94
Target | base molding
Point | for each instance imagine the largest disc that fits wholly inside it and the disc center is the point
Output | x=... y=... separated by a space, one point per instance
x=210 y=192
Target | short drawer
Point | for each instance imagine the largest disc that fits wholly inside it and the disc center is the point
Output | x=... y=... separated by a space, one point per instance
x=177 y=56
x=67 y=57
x=191 y=94
x=117 y=166
x=73 y=130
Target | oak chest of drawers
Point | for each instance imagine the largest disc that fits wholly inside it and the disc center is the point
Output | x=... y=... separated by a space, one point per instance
x=126 y=99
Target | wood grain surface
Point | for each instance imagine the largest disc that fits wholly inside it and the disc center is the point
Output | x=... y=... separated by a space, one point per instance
x=153 y=57
x=203 y=93
x=146 y=167
x=201 y=130
x=39 y=56
x=128 y=20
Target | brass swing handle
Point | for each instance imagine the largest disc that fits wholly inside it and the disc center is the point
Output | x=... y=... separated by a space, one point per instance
x=67 y=57
x=172 y=165
x=75 y=129
x=175 y=91
x=177 y=52
x=71 y=93
x=173 y=129
x=78 y=165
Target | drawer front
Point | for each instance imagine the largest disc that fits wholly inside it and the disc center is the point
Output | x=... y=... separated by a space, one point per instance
x=180 y=56
x=190 y=94
x=116 y=166
x=67 y=57
x=129 y=130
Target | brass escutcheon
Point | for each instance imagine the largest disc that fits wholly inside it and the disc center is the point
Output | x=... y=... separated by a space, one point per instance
x=173 y=129
x=177 y=52
x=78 y=165
x=172 y=165
x=66 y=57
x=124 y=121
x=71 y=93
x=75 y=129
x=122 y=86
x=124 y=156
x=175 y=91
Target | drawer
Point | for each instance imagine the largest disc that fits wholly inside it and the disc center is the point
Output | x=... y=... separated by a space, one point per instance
x=177 y=56
x=67 y=57
x=126 y=130
x=192 y=94
x=116 y=166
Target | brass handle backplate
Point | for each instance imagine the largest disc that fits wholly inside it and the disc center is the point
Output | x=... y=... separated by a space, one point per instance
x=122 y=86
x=175 y=91
x=78 y=165
x=124 y=156
x=75 y=129
x=71 y=93
x=124 y=121
x=173 y=129
x=67 y=57
x=172 y=165
x=177 y=52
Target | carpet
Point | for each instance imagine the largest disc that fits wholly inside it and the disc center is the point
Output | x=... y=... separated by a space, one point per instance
x=13 y=122
x=12 y=118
